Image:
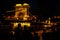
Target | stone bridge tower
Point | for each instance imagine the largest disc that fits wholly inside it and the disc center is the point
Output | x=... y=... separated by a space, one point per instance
x=21 y=11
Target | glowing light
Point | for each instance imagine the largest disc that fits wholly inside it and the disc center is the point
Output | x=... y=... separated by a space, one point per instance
x=26 y=15
x=49 y=22
x=23 y=24
x=25 y=4
x=24 y=18
x=18 y=4
x=13 y=32
x=17 y=18
x=46 y=21
x=47 y=26
x=15 y=25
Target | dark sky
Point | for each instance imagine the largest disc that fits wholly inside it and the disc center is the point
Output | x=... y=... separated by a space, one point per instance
x=38 y=7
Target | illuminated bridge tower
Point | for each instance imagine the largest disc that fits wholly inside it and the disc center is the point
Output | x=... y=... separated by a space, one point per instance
x=21 y=11
x=18 y=9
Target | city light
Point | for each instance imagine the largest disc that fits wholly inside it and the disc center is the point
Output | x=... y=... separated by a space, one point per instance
x=25 y=24
x=25 y=4
x=15 y=25
x=22 y=22
x=18 y=4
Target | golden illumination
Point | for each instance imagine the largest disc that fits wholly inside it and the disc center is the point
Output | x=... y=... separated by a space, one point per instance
x=18 y=4
x=15 y=25
x=26 y=15
x=49 y=20
x=22 y=10
x=46 y=21
x=23 y=24
x=25 y=4
x=24 y=18
x=47 y=26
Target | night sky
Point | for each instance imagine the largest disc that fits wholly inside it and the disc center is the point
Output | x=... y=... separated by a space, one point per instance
x=38 y=7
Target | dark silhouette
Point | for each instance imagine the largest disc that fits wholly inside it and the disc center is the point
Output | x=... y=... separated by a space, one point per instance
x=18 y=35
x=4 y=35
x=27 y=34
x=36 y=37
